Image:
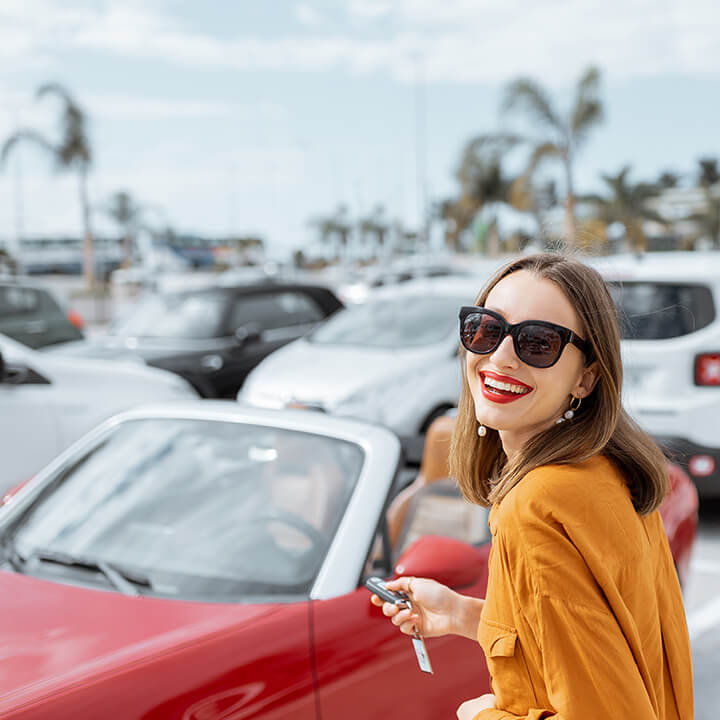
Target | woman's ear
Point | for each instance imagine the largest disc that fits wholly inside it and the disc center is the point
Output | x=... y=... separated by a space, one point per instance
x=588 y=379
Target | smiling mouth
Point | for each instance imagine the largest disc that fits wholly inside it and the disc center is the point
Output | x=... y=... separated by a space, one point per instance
x=501 y=390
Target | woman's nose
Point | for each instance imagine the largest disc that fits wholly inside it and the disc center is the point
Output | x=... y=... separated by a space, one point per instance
x=504 y=354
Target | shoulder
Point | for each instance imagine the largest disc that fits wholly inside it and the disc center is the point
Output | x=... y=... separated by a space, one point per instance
x=587 y=495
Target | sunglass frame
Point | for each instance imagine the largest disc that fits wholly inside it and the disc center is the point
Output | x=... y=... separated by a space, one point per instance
x=566 y=335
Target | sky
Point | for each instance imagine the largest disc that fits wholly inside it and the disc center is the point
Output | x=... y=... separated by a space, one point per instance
x=257 y=116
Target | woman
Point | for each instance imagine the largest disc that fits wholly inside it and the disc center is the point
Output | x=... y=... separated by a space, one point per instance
x=583 y=616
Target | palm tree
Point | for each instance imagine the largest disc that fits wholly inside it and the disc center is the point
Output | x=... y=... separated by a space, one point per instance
x=127 y=214
x=335 y=229
x=482 y=182
x=71 y=152
x=668 y=180
x=375 y=224
x=708 y=174
x=627 y=203
x=564 y=134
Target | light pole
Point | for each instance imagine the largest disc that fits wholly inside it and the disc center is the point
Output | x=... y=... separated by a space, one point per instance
x=421 y=147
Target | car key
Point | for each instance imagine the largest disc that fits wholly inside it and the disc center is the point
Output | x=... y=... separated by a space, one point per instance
x=377 y=586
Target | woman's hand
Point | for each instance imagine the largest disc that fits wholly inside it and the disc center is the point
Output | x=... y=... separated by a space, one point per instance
x=436 y=609
x=470 y=708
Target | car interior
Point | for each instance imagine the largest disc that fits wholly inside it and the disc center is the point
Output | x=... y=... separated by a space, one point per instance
x=430 y=504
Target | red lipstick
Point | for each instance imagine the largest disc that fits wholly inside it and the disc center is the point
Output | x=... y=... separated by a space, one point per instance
x=497 y=397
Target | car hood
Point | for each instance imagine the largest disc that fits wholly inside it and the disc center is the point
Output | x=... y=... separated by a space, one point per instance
x=122 y=347
x=329 y=374
x=54 y=635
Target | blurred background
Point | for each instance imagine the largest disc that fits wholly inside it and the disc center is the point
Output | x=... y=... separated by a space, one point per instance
x=159 y=147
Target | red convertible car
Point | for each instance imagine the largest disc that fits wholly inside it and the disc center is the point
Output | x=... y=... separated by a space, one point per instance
x=205 y=562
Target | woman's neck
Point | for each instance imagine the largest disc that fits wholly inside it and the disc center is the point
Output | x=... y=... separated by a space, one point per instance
x=514 y=440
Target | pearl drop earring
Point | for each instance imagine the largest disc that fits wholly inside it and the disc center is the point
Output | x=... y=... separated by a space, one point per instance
x=482 y=430
x=569 y=414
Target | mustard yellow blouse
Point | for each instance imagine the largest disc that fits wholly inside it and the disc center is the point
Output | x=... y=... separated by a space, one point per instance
x=584 y=617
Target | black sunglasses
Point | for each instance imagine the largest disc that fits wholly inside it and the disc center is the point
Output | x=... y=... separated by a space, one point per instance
x=536 y=342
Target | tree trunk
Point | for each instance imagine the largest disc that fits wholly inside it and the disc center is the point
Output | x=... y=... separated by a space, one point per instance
x=127 y=249
x=88 y=250
x=570 y=228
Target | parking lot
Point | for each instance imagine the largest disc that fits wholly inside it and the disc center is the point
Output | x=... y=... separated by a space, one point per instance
x=702 y=593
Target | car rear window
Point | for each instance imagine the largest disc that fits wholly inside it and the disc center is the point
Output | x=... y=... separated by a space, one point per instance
x=269 y=311
x=33 y=317
x=658 y=311
x=18 y=301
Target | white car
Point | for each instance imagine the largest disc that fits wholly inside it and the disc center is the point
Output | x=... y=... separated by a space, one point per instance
x=670 y=314
x=392 y=360
x=47 y=402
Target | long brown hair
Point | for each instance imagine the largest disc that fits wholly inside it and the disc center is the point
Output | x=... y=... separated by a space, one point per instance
x=601 y=426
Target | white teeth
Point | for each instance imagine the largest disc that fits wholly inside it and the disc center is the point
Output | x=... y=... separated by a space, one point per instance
x=505 y=386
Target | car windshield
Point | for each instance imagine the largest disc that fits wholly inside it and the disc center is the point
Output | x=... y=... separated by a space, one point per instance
x=657 y=311
x=207 y=510
x=192 y=316
x=401 y=322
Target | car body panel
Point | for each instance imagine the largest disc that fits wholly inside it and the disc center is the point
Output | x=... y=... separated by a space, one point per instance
x=60 y=399
x=373 y=663
x=331 y=374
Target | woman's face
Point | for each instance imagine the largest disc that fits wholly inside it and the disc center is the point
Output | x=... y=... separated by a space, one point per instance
x=546 y=392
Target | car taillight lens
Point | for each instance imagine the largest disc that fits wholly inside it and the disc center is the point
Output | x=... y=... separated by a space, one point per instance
x=14 y=490
x=76 y=320
x=701 y=465
x=707 y=369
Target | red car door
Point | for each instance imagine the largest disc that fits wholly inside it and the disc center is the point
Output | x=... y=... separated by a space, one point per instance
x=367 y=669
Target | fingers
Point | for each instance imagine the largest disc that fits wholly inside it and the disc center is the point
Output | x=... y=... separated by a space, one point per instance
x=402 y=583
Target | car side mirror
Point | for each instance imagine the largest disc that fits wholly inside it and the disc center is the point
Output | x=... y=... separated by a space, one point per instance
x=449 y=561
x=246 y=334
x=2 y=368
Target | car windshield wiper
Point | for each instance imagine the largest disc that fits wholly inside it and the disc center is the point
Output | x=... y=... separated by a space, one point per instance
x=126 y=581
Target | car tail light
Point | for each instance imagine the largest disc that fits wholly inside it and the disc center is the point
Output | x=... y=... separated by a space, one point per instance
x=14 y=490
x=707 y=369
x=701 y=465
x=76 y=319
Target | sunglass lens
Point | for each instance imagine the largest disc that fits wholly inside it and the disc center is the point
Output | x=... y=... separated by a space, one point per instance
x=480 y=333
x=538 y=345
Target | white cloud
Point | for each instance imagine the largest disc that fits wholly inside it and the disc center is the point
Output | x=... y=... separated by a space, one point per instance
x=123 y=106
x=307 y=15
x=453 y=40
x=370 y=8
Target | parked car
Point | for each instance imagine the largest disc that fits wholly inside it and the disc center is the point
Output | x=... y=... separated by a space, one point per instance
x=669 y=307
x=214 y=336
x=232 y=545
x=357 y=286
x=393 y=359
x=48 y=402
x=33 y=316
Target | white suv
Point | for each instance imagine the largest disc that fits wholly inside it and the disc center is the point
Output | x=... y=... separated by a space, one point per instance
x=670 y=315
